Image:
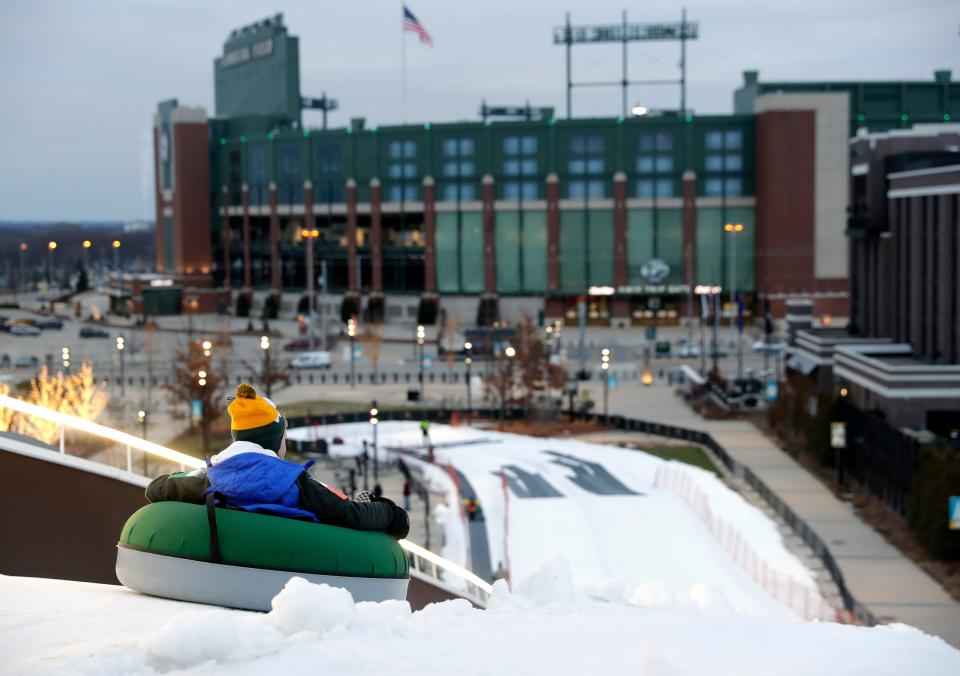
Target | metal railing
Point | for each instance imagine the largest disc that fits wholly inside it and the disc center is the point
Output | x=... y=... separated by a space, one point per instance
x=424 y=563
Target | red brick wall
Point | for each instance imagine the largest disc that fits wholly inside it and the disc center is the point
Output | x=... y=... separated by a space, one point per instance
x=785 y=201
x=191 y=207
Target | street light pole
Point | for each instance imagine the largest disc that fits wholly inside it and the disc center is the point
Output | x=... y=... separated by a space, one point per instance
x=310 y=235
x=120 y=349
x=421 y=336
x=51 y=247
x=116 y=255
x=374 y=420
x=468 y=360
x=23 y=248
x=510 y=353
x=267 y=371
x=142 y=417
x=352 y=333
x=605 y=372
x=735 y=229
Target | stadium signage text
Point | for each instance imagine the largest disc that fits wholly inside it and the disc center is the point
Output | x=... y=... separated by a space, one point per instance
x=632 y=32
x=243 y=54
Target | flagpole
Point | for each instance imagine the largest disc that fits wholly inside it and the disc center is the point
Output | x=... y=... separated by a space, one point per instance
x=403 y=73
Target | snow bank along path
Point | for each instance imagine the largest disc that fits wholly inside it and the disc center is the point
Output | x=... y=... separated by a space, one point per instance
x=630 y=525
x=61 y=627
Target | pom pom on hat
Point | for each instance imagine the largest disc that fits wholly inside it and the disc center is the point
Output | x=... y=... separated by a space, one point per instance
x=245 y=391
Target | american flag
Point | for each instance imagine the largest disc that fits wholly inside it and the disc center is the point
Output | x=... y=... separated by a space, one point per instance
x=411 y=25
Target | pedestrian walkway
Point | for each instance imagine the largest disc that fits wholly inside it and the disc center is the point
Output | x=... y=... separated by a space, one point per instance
x=889 y=584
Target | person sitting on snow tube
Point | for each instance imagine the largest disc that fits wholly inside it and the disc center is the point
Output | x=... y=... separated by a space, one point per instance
x=251 y=474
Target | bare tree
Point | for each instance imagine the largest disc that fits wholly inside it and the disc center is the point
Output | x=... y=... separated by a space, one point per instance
x=535 y=374
x=268 y=370
x=372 y=341
x=197 y=377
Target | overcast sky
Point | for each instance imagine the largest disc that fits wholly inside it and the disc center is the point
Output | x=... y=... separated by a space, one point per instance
x=79 y=80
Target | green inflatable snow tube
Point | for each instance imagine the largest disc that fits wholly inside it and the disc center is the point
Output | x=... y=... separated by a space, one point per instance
x=166 y=550
x=252 y=540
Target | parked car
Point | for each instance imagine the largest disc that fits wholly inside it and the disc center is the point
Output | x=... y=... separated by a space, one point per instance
x=48 y=323
x=24 y=330
x=311 y=360
x=93 y=332
x=25 y=361
x=688 y=350
x=304 y=343
x=773 y=348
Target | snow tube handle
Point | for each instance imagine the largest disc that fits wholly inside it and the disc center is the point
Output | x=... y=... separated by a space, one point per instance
x=212 y=522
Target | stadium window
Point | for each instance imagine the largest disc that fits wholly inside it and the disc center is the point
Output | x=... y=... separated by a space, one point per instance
x=327 y=159
x=733 y=162
x=664 y=164
x=714 y=140
x=405 y=193
x=713 y=187
x=733 y=140
x=734 y=187
x=664 y=187
x=714 y=163
x=644 y=187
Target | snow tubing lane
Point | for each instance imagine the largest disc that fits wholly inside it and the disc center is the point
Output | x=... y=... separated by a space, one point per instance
x=164 y=550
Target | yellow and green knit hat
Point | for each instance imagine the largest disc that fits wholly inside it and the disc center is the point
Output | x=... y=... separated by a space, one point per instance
x=255 y=419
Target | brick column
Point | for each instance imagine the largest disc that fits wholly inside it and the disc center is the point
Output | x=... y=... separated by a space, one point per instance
x=553 y=233
x=554 y=306
x=689 y=194
x=352 y=235
x=620 y=306
x=489 y=238
x=376 y=241
x=429 y=235
x=227 y=261
x=246 y=237
x=274 y=241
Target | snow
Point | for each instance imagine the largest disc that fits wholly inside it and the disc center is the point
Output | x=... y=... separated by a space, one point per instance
x=650 y=579
x=682 y=531
x=60 y=627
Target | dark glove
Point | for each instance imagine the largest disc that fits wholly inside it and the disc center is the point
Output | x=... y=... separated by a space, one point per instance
x=400 y=523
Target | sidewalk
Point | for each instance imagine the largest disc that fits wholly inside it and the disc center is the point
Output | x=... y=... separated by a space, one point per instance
x=889 y=584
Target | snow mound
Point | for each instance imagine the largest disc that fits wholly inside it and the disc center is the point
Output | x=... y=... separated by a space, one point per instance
x=302 y=606
x=208 y=636
x=59 y=627
x=551 y=584
x=653 y=595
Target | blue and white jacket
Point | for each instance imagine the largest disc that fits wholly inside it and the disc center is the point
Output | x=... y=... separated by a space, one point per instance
x=255 y=479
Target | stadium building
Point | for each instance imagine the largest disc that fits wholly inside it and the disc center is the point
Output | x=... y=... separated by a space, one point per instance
x=494 y=219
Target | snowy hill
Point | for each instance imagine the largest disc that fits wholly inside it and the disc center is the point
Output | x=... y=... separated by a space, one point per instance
x=59 y=627
x=628 y=523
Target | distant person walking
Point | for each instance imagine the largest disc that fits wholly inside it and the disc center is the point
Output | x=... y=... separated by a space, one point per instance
x=425 y=430
x=407 y=491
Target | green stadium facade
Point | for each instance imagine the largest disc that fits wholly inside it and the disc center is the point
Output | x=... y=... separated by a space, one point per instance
x=494 y=219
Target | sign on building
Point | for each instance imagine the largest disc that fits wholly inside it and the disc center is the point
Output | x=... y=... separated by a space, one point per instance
x=955 y=512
